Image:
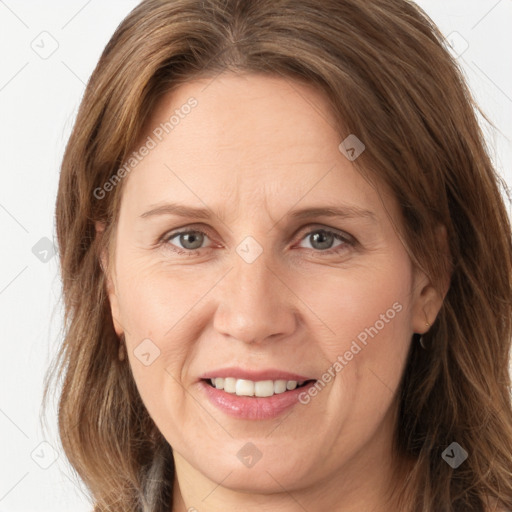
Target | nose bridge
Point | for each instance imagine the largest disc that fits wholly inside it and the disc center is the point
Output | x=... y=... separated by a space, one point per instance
x=254 y=304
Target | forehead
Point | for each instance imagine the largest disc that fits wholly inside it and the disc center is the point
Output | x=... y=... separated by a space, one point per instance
x=245 y=140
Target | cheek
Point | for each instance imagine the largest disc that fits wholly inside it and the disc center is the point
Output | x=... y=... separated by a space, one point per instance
x=161 y=311
x=157 y=314
x=365 y=316
x=367 y=303
x=154 y=300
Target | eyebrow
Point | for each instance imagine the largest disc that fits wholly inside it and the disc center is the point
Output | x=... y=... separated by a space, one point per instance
x=305 y=213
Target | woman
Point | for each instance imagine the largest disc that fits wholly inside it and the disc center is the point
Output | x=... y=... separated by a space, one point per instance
x=286 y=266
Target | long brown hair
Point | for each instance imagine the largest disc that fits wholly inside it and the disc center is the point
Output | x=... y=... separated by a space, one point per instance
x=389 y=78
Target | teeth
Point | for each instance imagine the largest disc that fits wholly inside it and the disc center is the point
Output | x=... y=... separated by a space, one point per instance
x=262 y=388
x=279 y=386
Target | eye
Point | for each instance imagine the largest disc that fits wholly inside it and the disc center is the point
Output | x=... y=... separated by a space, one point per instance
x=321 y=240
x=190 y=241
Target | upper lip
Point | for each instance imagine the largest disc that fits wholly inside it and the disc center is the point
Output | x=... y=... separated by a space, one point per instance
x=255 y=375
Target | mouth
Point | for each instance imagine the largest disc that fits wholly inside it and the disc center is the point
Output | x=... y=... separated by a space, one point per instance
x=255 y=389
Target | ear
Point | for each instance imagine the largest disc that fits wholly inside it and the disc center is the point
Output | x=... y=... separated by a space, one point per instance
x=427 y=299
x=110 y=280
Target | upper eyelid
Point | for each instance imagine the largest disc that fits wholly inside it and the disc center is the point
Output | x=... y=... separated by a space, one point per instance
x=305 y=230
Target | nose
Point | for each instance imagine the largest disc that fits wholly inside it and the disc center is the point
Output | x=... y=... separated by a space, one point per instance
x=255 y=303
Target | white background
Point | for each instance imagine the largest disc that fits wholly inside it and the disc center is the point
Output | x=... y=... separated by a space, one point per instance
x=38 y=101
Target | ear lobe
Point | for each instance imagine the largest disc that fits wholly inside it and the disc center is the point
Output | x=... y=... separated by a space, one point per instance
x=100 y=226
x=428 y=305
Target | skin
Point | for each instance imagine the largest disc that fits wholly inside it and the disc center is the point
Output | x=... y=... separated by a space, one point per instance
x=254 y=149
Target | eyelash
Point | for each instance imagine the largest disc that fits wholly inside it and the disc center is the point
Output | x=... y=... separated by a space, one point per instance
x=345 y=238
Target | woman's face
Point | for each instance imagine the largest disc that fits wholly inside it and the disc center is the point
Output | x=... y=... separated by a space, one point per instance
x=263 y=284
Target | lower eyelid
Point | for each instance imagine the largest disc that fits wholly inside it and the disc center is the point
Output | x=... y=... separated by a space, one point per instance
x=346 y=239
x=166 y=239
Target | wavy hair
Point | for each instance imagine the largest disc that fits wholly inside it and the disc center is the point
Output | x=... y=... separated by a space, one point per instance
x=390 y=79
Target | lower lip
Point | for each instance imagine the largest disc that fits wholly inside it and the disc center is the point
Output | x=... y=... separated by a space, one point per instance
x=253 y=408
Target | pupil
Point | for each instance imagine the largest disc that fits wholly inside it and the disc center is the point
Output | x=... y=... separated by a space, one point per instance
x=325 y=239
x=188 y=238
